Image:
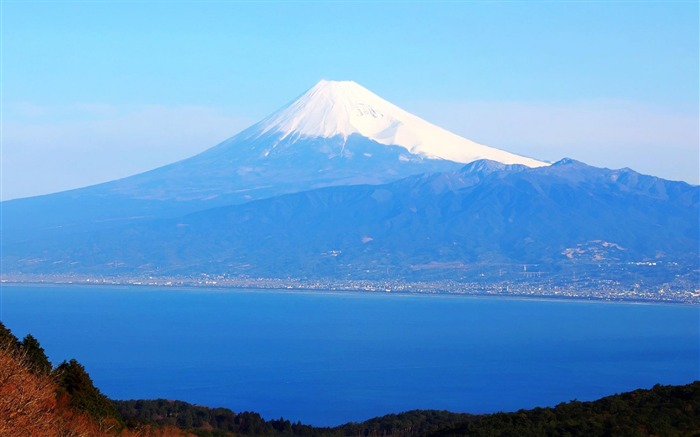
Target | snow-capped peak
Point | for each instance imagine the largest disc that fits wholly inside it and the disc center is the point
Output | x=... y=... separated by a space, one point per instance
x=343 y=108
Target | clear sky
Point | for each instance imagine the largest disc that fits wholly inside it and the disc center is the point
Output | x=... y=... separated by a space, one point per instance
x=96 y=90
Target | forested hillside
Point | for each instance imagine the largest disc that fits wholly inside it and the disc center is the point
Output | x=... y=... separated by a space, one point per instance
x=38 y=400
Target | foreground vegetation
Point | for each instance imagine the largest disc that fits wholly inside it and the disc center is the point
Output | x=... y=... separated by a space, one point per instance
x=37 y=399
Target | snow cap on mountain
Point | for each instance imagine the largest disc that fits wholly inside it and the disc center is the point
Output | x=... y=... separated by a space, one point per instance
x=344 y=108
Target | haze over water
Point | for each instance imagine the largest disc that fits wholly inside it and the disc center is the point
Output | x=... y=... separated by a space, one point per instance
x=330 y=358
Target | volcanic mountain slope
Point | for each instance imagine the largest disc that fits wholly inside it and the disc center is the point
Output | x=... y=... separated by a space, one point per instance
x=337 y=133
x=565 y=216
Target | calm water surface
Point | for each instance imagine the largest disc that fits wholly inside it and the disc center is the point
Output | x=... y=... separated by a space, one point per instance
x=330 y=358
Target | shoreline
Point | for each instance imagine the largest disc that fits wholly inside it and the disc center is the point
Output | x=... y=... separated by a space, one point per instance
x=345 y=291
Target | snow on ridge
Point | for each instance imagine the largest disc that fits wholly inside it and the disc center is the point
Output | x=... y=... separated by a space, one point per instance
x=343 y=108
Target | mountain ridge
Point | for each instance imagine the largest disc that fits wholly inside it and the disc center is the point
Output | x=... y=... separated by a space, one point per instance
x=482 y=222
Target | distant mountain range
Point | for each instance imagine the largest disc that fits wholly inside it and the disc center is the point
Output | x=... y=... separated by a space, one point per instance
x=341 y=183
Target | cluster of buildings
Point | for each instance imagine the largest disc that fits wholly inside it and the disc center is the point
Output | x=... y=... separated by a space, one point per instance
x=602 y=290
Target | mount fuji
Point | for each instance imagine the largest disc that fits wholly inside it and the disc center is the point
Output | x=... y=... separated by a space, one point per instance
x=336 y=133
x=341 y=109
x=343 y=184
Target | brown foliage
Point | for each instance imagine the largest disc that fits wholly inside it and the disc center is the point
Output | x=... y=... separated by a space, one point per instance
x=29 y=407
x=27 y=401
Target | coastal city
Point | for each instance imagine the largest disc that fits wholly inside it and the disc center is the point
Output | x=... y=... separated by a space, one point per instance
x=593 y=290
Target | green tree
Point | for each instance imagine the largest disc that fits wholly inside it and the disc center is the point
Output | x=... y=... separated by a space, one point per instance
x=7 y=338
x=74 y=382
x=34 y=354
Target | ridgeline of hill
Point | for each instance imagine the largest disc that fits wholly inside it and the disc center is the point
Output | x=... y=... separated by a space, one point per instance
x=37 y=399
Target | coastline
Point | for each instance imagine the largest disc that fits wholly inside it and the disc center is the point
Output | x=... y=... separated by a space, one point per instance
x=189 y=287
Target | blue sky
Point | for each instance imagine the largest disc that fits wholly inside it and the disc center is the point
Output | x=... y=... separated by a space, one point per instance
x=93 y=91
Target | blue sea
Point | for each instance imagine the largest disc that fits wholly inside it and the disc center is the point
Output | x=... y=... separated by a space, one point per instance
x=328 y=358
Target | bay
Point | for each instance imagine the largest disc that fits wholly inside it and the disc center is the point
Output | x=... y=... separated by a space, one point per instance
x=327 y=358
